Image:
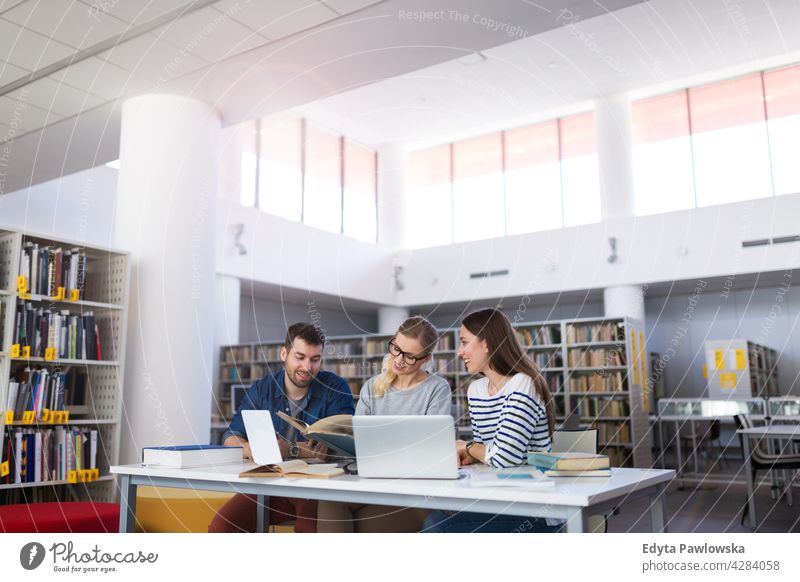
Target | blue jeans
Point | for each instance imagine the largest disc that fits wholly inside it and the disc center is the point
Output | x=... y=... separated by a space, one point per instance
x=468 y=522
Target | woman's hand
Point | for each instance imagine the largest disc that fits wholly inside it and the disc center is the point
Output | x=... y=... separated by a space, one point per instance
x=464 y=457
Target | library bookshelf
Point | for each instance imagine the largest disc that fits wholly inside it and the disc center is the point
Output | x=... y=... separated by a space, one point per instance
x=596 y=369
x=75 y=438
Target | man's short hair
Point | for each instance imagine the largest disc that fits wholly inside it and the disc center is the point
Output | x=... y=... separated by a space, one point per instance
x=307 y=332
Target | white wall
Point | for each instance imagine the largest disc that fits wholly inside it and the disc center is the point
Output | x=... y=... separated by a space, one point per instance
x=703 y=242
x=78 y=207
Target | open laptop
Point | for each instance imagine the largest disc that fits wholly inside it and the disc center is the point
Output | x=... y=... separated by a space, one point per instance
x=261 y=436
x=406 y=447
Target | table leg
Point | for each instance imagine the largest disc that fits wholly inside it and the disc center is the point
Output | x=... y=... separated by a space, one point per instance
x=127 y=505
x=657 y=521
x=661 y=446
x=751 y=500
x=576 y=522
x=262 y=513
x=694 y=447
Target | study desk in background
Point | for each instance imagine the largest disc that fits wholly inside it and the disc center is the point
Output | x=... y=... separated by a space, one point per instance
x=776 y=431
x=572 y=499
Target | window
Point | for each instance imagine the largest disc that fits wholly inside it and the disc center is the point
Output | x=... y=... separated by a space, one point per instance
x=280 y=176
x=580 y=182
x=729 y=141
x=360 y=204
x=662 y=154
x=782 y=94
x=322 y=190
x=532 y=178
x=478 y=204
x=429 y=212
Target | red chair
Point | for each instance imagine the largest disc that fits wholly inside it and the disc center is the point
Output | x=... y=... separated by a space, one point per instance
x=64 y=517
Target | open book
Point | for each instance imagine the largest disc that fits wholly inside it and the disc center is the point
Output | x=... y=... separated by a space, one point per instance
x=294 y=469
x=335 y=432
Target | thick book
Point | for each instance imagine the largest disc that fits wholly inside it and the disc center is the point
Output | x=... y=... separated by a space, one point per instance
x=294 y=469
x=568 y=461
x=182 y=457
x=593 y=473
x=335 y=432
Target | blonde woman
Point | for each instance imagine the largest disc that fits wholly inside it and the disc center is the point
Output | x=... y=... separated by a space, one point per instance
x=403 y=387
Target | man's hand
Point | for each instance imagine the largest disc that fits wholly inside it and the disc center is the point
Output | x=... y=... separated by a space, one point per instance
x=313 y=450
x=235 y=441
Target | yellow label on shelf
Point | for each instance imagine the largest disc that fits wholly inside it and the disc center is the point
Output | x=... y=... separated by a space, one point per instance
x=727 y=380
x=635 y=359
x=22 y=284
x=85 y=475
x=72 y=477
x=705 y=371
x=61 y=293
x=14 y=351
x=74 y=295
x=9 y=416
x=28 y=417
x=95 y=474
x=26 y=352
x=46 y=415
x=25 y=296
x=4 y=469
x=64 y=416
x=719 y=359
x=643 y=359
x=50 y=354
x=59 y=417
x=741 y=359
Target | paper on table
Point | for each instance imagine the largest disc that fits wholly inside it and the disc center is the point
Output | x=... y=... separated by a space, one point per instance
x=525 y=477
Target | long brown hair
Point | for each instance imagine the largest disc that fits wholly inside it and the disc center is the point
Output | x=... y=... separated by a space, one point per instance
x=505 y=353
x=417 y=328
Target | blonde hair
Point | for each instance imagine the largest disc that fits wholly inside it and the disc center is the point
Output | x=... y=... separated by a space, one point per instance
x=418 y=328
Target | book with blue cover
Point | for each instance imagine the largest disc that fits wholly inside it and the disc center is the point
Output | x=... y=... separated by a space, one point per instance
x=186 y=456
x=571 y=461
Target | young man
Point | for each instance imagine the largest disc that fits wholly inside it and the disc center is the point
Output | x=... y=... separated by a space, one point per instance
x=300 y=390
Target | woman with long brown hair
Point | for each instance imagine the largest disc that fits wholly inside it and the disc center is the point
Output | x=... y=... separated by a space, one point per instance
x=511 y=412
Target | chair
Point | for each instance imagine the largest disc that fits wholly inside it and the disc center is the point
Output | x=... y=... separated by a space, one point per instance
x=60 y=517
x=581 y=441
x=700 y=441
x=761 y=460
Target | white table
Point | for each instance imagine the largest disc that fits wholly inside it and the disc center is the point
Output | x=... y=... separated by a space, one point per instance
x=774 y=431
x=572 y=499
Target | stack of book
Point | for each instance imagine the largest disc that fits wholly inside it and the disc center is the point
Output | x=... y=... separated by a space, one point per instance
x=40 y=455
x=71 y=336
x=47 y=268
x=571 y=464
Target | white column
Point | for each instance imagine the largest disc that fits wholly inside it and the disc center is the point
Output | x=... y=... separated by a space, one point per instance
x=165 y=218
x=227 y=307
x=624 y=301
x=392 y=171
x=390 y=318
x=615 y=155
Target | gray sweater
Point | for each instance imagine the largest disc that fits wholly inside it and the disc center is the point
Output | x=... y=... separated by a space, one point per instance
x=431 y=396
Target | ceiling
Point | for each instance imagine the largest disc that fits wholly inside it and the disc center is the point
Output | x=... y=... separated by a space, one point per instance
x=66 y=65
x=647 y=48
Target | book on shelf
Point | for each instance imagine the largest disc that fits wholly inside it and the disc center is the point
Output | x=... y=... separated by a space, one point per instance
x=547 y=359
x=187 y=456
x=446 y=343
x=587 y=383
x=539 y=335
x=48 y=268
x=335 y=432
x=45 y=455
x=585 y=357
x=595 y=332
x=237 y=354
x=613 y=432
x=39 y=390
x=592 y=473
x=344 y=348
x=294 y=469
x=591 y=407
x=70 y=336
x=376 y=347
x=270 y=353
x=570 y=461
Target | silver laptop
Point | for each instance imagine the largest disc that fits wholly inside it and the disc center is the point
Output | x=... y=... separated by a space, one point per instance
x=406 y=447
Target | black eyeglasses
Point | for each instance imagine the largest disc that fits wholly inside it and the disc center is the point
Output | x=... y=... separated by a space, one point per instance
x=408 y=358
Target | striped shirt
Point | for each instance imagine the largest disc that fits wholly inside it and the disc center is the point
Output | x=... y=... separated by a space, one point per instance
x=511 y=423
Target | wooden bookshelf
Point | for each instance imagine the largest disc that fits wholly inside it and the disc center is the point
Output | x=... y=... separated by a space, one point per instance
x=104 y=292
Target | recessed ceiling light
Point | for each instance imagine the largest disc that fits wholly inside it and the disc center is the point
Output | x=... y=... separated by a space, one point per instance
x=472 y=59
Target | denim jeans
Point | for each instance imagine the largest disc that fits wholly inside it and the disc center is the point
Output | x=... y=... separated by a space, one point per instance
x=468 y=522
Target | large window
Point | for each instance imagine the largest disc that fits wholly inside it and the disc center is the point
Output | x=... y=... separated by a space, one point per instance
x=662 y=154
x=297 y=170
x=729 y=140
x=533 y=178
x=478 y=211
x=429 y=211
x=782 y=94
x=580 y=185
x=527 y=179
x=280 y=176
x=723 y=142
